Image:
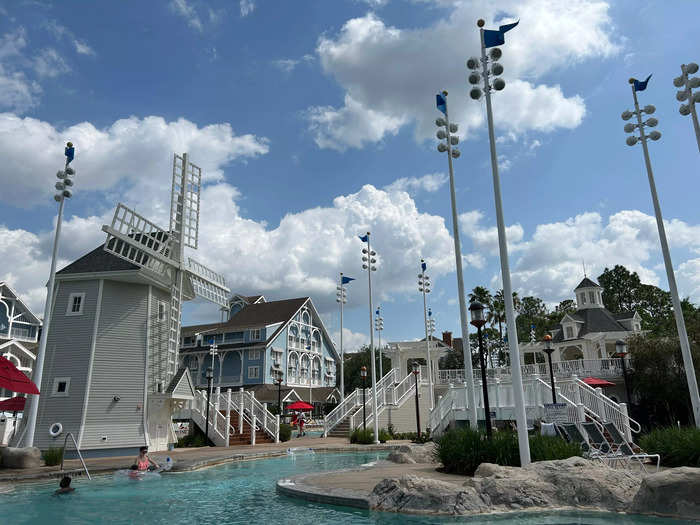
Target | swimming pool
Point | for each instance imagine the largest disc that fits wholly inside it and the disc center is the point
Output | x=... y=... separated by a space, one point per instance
x=236 y=493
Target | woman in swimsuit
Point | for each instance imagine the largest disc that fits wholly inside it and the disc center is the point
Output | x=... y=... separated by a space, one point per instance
x=143 y=462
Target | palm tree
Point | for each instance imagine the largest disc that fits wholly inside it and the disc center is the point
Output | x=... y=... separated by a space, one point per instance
x=481 y=294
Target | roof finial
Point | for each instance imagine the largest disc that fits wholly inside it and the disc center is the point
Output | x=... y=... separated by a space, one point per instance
x=584 y=267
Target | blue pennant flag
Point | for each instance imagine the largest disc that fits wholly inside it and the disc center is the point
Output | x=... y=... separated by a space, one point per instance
x=441 y=103
x=69 y=152
x=377 y=312
x=346 y=280
x=430 y=312
x=364 y=238
x=640 y=86
x=495 y=38
x=423 y=265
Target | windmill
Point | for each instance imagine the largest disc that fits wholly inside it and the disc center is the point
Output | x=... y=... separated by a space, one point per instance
x=161 y=254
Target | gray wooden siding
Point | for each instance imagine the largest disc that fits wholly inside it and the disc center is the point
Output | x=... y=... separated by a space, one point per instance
x=118 y=369
x=183 y=388
x=67 y=355
x=158 y=337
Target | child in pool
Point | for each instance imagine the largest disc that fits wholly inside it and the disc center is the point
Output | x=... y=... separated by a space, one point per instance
x=65 y=486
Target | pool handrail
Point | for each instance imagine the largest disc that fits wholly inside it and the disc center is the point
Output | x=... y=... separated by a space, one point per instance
x=63 y=455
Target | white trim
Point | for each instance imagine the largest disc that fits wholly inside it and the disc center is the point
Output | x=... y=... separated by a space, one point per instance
x=252 y=353
x=18 y=345
x=19 y=300
x=88 y=382
x=54 y=387
x=81 y=305
x=144 y=408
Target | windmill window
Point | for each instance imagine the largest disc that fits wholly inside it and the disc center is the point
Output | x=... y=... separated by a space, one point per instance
x=76 y=301
x=61 y=387
x=591 y=296
x=161 y=311
x=583 y=298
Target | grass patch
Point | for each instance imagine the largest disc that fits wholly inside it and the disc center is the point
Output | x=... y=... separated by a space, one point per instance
x=52 y=456
x=678 y=447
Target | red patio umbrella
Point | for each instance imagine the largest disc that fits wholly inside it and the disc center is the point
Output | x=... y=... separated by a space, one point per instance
x=595 y=382
x=14 y=404
x=300 y=405
x=14 y=380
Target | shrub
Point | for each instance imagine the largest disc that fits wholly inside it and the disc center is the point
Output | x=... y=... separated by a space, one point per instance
x=53 y=456
x=424 y=437
x=192 y=441
x=362 y=436
x=678 y=447
x=461 y=451
x=285 y=432
x=384 y=435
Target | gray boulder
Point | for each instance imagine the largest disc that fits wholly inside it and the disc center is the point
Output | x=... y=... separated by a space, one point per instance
x=400 y=457
x=573 y=482
x=28 y=457
x=418 y=453
x=674 y=492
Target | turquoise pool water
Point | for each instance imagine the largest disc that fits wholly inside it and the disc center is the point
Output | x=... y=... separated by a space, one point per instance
x=237 y=493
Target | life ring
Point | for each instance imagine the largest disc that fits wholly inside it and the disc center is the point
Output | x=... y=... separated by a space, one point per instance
x=55 y=430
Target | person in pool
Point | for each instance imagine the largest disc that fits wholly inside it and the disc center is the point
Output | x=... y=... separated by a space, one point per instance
x=143 y=462
x=64 y=485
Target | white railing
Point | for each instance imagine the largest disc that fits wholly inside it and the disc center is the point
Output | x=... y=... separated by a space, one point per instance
x=340 y=412
x=264 y=418
x=217 y=422
x=404 y=389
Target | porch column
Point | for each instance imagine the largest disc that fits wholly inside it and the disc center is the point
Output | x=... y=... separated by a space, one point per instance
x=241 y=395
x=626 y=419
x=228 y=415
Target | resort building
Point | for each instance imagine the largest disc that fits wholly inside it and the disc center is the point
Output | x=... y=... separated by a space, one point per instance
x=262 y=341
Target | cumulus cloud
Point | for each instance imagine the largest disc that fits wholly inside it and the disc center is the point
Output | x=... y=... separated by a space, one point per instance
x=17 y=92
x=187 y=12
x=377 y=66
x=352 y=341
x=247 y=7
x=430 y=183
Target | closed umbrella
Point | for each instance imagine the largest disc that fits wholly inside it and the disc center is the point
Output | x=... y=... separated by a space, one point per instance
x=14 y=380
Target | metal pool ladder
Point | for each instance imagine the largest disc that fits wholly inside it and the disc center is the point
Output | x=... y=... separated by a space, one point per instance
x=77 y=450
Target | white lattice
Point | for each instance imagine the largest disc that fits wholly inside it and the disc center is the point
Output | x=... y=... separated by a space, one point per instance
x=207 y=283
x=184 y=200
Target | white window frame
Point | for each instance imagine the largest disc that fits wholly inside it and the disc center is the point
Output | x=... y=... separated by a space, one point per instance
x=165 y=310
x=566 y=331
x=56 y=382
x=592 y=297
x=255 y=369
x=253 y=355
x=255 y=334
x=71 y=298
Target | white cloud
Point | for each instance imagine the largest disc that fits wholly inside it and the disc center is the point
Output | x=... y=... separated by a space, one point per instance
x=430 y=183
x=485 y=239
x=285 y=64
x=352 y=341
x=247 y=7
x=186 y=11
x=17 y=92
x=48 y=63
x=60 y=32
x=394 y=72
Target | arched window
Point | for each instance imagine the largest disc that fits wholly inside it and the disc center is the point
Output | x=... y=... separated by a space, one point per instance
x=316 y=341
x=305 y=317
x=292 y=367
x=316 y=371
x=304 y=370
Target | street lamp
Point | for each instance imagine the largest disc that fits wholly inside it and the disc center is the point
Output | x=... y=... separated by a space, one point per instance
x=670 y=276
x=341 y=298
x=368 y=263
x=63 y=192
x=213 y=352
x=491 y=38
x=379 y=326
x=446 y=128
x=621 y=352
x=477 y=312
x=424 y=288
x=363 y=375
x=548 y=349
x=687 y=94
x=279 y=394
x=416 y=371
x=210 y=375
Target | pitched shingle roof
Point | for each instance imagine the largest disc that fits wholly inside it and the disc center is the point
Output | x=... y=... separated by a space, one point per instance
x=98 y=260
x=587 y=283
x=594 y=320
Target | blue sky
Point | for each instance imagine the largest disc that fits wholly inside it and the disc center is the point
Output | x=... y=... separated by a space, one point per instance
x=313 y=122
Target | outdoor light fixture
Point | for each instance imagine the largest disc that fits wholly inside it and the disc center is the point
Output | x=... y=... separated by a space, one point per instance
x=476 y=309
x=341 y=298
x=368 y=263
x=424 y=288
x=548 y=350
x=379 y=326
x=689 y=83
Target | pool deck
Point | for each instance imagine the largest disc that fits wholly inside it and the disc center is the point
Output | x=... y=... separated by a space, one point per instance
x=352 y=487
x=187 y=459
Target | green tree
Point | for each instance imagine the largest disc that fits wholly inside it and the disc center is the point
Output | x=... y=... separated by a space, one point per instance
x=620 y=286
x=356 y=360
x=532 y=311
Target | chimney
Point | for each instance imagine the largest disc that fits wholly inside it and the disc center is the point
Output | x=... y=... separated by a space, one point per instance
x=447 y=338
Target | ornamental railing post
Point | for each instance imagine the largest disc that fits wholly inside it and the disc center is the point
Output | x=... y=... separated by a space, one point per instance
x=217 y=398
x=240 y=410
x=601 y=404
x=252 y=431
x=277 y=432
x=626 y=420
x=580 y=413
x=264 y=425
x=228 y=416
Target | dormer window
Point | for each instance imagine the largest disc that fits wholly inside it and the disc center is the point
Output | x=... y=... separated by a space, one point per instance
x=569 y=332
x=583 y=298
x=591 y=296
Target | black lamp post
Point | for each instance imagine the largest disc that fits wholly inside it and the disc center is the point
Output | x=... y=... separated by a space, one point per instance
x=279 y=394
x=416 y=371
x=477 y=312
x=621 y=352
x=210 y=376
x=363 y=374
x=548 y=348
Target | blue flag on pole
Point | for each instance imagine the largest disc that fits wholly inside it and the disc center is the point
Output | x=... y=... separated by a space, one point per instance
x=423 y=266
x=640 y=86
x=364 y=238
x=496 y=38
x=69 y=152
x=441 y=103
x=430 y=312
x=346 y=280
x=377 y=312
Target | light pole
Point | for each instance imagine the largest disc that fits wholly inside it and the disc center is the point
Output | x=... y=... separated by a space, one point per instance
x=677 y=310
x=363 y=375
x=379 y=326
x=477 y=311
x=279 y=394
x=687 y=94
x=621 y=352
x=213 y=351
x=63 y=187
x=416 y=371
x=368 y=261
x=446 y=128
x=548 y=349
x=341 y=298
x=491 y=38
x=210 y=375
x=424 y=288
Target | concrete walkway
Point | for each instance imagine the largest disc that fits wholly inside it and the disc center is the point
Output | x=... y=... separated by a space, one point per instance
x=185 y=459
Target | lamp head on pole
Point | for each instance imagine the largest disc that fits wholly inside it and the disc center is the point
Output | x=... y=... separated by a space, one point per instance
x=621 y=348
x=548 y=344
x=210 y=373
x=363 y=372
x=477 y=312
x=416 y=367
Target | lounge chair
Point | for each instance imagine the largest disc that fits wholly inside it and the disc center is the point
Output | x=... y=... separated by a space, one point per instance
x=623 y=449
x=574 y=435
x=596 y=440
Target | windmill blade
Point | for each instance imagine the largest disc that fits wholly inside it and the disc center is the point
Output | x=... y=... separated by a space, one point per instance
x=134 y=238
x=207 y=283
x=184 y=200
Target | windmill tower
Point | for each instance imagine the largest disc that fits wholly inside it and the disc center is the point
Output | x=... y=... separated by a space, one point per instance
x=139 y=241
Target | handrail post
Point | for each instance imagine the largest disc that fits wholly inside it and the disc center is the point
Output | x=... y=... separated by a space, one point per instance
x=277 y=432
x=240 y=411
x=626 y=419
x=217 y=403
x=580 y=412
x=228 y=416
x=576 y=389
x=601 y=404
x=252 y=431
x=264 y=416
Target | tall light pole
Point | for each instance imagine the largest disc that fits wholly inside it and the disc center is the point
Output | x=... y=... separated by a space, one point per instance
x=368 y=261
x=548 y=349
x=213 y=351
x=446 y=128
x=478 y=320
x=210 y=376
x=341 y=299
x=677 y=310
x=424 y=288
x=363 y=375
x=491 y=38
x=689 y=84
x=63 y=187
x=379 y=326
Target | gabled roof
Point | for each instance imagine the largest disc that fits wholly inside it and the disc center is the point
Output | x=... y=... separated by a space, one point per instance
x=595 y=320
x=622 y=316
x=98 y=260
x=587 y=283
x=268 y=393
x=17 y=298
x=252 y=299
x=181 y=386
